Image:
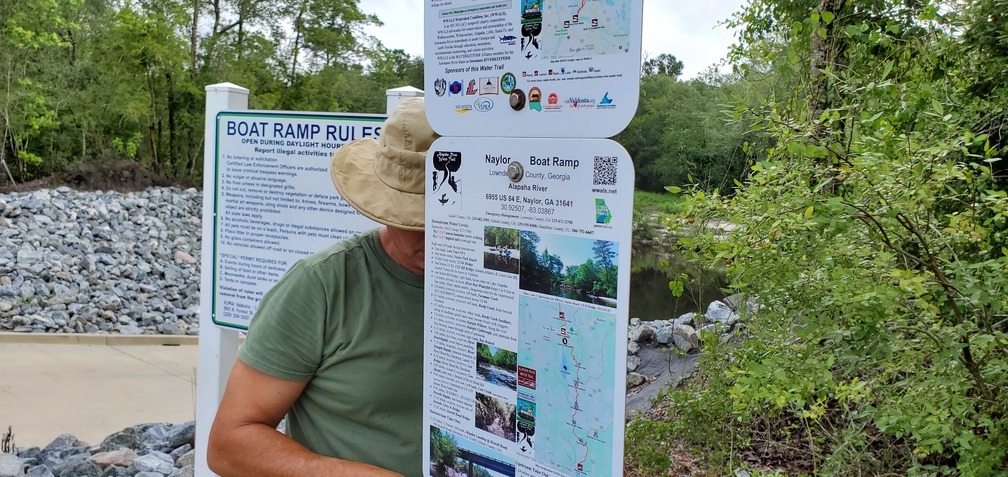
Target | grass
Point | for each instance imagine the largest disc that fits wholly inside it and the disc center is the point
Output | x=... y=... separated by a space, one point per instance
x=657 y=202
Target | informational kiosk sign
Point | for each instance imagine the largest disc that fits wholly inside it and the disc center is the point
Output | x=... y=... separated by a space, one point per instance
x=273 y=200
x=532 y=68
x=527 y=281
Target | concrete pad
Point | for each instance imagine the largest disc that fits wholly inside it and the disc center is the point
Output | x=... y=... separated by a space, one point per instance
x=92 y=391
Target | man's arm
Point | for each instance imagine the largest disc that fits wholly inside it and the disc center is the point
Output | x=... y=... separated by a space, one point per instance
x=244 y=441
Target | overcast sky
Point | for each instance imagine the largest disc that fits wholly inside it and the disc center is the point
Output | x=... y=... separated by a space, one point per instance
x=688 y=29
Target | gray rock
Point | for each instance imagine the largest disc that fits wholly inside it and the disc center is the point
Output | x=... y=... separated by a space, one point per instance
x=26 y=257
x=685 y=319
x=64 y=441
x=663 y=335
x=631 y=363
x=11 y=466
x=182 y=434
x=633 y=347
x=186 y=460
x=185 y=471
x=641 y=334
x=40 y=471
x=154 y=462
x=78 y=466
x=115 y=471
x=719 y=311
x=635 y=379
x=179 y=452
x=685 y=338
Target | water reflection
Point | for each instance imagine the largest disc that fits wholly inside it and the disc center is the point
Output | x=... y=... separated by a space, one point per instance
x=650 y=299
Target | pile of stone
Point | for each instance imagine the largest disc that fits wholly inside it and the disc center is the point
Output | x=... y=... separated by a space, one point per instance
x=145 y=450
x=682 y=333
x=100 y=262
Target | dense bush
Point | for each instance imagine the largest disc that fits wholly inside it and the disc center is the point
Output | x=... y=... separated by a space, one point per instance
x=875 y=236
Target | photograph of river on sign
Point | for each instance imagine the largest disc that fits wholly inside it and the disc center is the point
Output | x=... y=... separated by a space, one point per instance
x=452 y=455
x=578 y=28
x=497 y=366
x=570 y=350
x=576 y=268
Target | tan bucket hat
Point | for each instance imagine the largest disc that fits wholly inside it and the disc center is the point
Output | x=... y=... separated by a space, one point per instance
x=384 y=179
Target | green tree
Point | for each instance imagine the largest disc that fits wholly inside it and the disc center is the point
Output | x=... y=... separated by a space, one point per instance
x=32 y=34
x=663 y=64
x=681 y=136
x=873 y=233
x=443 y=451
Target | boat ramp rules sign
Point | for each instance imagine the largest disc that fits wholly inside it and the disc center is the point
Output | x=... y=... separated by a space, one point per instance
x=527 y=297
x=532 y=68
x=273 y=201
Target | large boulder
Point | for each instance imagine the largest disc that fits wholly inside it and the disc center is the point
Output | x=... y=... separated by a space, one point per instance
x=685 y=338
x=720 y=312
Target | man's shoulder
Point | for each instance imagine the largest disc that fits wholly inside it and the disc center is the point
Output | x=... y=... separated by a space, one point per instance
x=340 y=250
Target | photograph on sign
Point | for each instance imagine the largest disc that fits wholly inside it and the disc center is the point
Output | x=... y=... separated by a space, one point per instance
x=274 y=201
x=527 y=276
x=532 y=68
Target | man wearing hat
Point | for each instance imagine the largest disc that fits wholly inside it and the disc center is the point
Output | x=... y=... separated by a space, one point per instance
x=337 y=343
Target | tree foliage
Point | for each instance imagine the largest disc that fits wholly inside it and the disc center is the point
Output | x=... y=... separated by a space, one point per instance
x=443 y=450
x=93 y=80
x=502 y=358
x=680 y=134
x=874 y=234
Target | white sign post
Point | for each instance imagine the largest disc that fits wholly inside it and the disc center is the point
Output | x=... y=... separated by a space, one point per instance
x=527 y=294
x=528 y=232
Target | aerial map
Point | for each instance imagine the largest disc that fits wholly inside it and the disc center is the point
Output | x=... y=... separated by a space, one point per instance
x=565 y=361
x=578 y=28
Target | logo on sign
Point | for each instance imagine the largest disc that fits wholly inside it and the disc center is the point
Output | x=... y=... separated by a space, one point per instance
x=526 y=377
x=455 y=88
x=483 y=104
x=535 y=99
x=440 y=85
x=605 y=102
x=471 y=90
x=552 y=103
x=602 y=213
x=488 y=86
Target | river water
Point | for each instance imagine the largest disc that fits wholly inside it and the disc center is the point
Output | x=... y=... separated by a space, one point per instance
x=650 y=298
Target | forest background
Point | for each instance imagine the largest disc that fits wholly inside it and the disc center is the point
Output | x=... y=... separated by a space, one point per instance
x=856 y=147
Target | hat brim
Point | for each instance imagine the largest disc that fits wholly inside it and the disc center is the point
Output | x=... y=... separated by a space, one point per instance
x=352 y=172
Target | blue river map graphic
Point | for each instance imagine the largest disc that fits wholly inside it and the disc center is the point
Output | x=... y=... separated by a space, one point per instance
x=571 y=349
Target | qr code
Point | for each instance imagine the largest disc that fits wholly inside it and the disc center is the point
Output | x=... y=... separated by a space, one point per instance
x=605 y=170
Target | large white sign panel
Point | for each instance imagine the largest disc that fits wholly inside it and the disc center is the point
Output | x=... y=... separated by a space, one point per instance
x=527 y=295
x=532 y=68
x=273 y=201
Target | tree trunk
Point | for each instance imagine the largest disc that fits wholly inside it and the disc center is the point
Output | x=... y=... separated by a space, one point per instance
x=194 y=37
x=297 y=45
x=172 y=107
x=827 y=49
x=824 y=52
x=152 y=123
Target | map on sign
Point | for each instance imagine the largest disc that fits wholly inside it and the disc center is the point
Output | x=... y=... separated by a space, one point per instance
x=586 y=28
x=565 y=368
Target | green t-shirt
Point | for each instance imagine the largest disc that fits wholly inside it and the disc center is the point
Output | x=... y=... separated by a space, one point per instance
x=349 y=322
